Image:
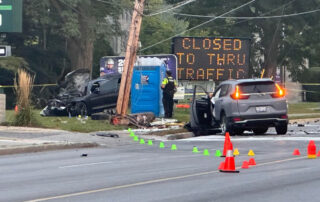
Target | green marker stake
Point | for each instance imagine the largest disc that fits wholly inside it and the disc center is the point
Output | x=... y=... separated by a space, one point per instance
x=132 y=134
x=142 y=141
x=136 y=139
x=218 y=153
x=195 y=150
x=150 y=142
x=129 y=129
x=161 y=145
x=206 y=152
x=173 y=147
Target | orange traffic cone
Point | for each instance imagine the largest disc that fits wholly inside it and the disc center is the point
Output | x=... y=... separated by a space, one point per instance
x=227 y=145
x=221 y=166
x=252 y=162
x=318 y=153
x=245 y=165
x=312 y=149
x=296 y=152
x=229 y=164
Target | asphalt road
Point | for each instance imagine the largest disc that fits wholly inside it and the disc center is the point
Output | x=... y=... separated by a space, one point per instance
x=147 y=173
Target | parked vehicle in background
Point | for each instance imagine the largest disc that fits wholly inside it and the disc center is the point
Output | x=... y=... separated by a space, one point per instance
x=239 y=105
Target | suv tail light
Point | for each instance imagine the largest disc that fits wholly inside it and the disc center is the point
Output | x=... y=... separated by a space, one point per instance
x=235 y=119
x=237 y=95
x=280 y=92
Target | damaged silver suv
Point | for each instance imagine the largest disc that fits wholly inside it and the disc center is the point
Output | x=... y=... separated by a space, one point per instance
x=239 y=105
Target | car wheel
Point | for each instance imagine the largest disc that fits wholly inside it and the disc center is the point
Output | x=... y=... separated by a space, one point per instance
x=260 y=131
x=225 y=126
x=81 y=109
x=282 y=129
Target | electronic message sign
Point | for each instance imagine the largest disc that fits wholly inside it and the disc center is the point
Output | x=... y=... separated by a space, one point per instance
x=10 y=16
x=218 y=59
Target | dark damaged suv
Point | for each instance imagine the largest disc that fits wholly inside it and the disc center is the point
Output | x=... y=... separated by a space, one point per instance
x=81 y=96
x=100 y=94
x=239 y=105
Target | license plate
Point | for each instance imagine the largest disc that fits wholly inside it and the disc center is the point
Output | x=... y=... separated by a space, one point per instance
x=261 y=109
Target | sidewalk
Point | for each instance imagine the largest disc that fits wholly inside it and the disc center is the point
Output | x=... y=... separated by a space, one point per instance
x=24 y=139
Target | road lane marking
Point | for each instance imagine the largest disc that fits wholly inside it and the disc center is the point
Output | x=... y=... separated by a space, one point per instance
x=281 y=161
x=123 y=186
x=152 y=181
x=86 y=164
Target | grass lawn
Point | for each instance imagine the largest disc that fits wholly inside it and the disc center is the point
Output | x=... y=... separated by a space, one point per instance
x=304 y=108
x=69 y=124
x=181 y=114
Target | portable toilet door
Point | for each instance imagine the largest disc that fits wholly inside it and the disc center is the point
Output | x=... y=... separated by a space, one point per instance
x=146 y=94
x=163 y=69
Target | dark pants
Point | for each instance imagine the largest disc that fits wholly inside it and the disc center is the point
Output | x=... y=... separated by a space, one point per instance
x=167 y=101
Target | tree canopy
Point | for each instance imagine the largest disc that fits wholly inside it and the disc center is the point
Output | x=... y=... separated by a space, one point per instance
x=276 y=41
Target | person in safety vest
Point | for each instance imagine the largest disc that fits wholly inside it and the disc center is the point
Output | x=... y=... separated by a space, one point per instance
x=169 y=87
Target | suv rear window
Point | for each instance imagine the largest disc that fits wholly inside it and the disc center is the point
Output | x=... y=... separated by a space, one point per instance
x=257 y=87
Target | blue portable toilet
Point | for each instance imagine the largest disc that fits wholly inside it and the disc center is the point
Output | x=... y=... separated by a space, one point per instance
x=146 y=93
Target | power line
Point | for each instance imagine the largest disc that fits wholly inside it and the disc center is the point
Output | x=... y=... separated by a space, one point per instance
x=172 y=8
x=250 y=18
x=263 y=14
x=192 y=28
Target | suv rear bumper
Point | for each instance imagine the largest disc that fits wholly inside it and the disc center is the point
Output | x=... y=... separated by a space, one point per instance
x=258 y=123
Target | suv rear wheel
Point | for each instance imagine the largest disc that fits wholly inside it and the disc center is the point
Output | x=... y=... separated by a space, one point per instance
x=225 y=125
x=282 y=129
x=260 y=131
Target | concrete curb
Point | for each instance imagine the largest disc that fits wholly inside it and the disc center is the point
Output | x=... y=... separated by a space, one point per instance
x=48 y=147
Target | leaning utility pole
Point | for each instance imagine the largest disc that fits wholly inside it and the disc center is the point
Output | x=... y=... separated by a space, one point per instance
x=131 y=52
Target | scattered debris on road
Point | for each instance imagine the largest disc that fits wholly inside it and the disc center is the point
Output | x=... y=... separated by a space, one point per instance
x=103 y=134
x=140 y=120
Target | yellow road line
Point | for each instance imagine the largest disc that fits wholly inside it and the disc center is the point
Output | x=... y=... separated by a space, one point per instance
x=125 y=186
x=281 y=161
x=152 y=181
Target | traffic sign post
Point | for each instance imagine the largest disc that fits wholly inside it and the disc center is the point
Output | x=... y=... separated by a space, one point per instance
x=10 y=16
